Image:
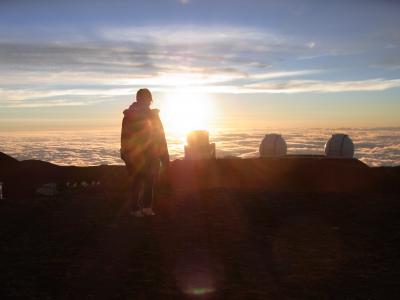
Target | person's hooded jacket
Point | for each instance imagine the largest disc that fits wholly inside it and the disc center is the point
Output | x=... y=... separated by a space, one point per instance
x=142 y=136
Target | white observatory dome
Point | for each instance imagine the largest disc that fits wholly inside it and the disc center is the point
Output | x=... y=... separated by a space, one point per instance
x=339 y=145
x=273 y=145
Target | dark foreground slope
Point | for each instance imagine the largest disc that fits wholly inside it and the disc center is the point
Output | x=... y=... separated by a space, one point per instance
x=223 y=236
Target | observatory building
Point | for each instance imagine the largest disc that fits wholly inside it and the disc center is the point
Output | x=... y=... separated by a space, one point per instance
x=198 y=146
x=273 y=145
x=339 y=146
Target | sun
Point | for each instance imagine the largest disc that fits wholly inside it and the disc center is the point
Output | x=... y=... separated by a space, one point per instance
x=182 y=112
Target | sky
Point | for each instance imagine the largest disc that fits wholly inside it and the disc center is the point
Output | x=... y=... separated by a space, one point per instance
x=301 y=63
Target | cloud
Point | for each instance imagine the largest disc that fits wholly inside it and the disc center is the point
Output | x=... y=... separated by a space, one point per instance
x=16 y=95
x=113 y=61
x=149 y=49
x=188 y=82
x=302 y=86
x=273 y=75
x=374 y=146
x=53 y=103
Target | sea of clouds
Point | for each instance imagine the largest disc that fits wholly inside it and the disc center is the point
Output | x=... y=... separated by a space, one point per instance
x=374 y=146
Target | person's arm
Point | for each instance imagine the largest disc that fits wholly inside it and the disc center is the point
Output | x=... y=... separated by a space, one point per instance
x=161 y=142
x=164 y=147
x=124 y=136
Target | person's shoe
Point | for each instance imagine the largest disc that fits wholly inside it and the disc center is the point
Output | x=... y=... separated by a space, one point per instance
x=148 y=211
x=137 y=213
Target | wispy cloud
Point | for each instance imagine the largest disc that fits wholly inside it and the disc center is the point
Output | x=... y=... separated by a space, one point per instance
x=302 y=86
x=52 y=103
x=17 y=95
x=114 y=61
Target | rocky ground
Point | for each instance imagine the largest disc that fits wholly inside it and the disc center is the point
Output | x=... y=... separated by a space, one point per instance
x=215 y=242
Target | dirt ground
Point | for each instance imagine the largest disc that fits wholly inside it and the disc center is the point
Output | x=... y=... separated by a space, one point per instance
x=214 y=244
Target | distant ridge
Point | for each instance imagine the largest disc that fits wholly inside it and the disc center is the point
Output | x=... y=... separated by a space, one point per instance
x=294 y=173
x=6 y=159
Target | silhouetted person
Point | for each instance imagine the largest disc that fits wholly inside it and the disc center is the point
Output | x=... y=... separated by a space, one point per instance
x=143 y=148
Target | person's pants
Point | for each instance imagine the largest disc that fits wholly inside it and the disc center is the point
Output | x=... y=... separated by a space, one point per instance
x=143 y=184
x=143 y=174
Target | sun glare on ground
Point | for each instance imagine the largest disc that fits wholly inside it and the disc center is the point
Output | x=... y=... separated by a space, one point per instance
x=182 y=112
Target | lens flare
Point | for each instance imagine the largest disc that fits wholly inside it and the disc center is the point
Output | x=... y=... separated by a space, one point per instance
x=198 y=275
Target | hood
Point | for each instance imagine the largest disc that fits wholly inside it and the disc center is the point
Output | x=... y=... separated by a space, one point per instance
x=136 y=108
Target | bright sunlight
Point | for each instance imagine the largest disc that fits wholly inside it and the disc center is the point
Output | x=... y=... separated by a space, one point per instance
x=183 y=111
